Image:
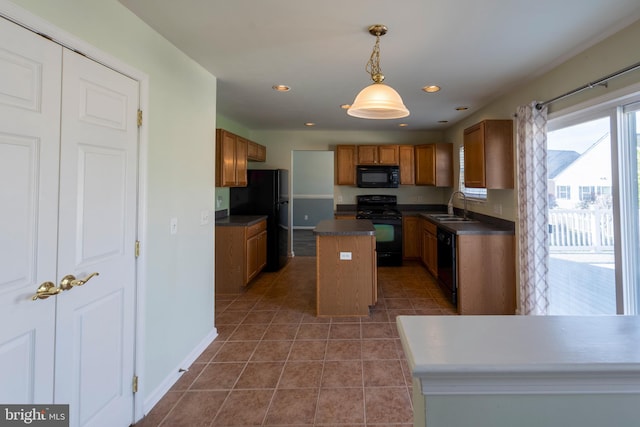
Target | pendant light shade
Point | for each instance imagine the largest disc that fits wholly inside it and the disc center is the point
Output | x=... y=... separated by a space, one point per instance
x=377 y=101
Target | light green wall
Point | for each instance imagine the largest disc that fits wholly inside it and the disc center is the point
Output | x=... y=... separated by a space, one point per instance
x=608 y=56
x=178 y=304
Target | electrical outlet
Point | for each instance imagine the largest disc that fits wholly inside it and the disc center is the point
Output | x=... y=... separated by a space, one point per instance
x=306 y=217
x=345 y=256
x=218 y=201
x=497 y=209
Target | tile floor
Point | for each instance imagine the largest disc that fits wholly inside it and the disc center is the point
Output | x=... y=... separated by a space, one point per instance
x=275 y=363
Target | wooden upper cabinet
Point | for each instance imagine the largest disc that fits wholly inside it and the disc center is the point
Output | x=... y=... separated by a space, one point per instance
x=378 y=155
x=231 y=160
x=488 y=155
x=407 y=164
x=434 y=165
x=346 y=157
x=256 y=152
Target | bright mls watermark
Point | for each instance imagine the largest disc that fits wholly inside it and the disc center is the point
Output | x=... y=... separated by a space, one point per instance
x=34 y=415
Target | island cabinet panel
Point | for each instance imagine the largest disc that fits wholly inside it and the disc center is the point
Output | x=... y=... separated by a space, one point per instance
x=411 y=237
x=486 y=274
x=346 y=158
x=241 y=254
x=406 y=158
x=345 y=287
x=488 y=155
x=434 y=165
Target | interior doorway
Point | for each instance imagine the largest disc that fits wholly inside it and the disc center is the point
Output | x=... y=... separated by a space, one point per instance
x=311 y=197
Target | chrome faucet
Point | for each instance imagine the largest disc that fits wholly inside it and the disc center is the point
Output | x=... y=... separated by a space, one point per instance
x=450 y=204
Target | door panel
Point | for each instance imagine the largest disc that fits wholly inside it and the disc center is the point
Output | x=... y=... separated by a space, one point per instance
x=95 y=321
x=30 y=67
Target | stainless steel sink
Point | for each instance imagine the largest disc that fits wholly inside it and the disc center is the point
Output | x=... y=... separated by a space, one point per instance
x=450 y=218
x=456 y=219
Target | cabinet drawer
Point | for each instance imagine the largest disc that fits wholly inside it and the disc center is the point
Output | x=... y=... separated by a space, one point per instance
x=254 y=229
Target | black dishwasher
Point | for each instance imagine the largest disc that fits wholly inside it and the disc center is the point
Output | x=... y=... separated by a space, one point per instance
x=447 y=273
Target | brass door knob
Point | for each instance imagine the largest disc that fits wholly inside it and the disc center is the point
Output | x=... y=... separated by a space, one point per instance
x=46 y=290
x=69 y=281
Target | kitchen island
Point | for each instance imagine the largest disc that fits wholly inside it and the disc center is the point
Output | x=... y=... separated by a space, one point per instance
x=346 y=276
x=525 y=371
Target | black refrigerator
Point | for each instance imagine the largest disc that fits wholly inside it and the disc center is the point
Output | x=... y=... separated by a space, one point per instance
x=266 y=193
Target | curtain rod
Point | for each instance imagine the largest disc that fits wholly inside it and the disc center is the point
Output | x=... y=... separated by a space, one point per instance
x=600 y=82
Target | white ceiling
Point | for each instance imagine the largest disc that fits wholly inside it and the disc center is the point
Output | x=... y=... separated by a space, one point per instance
x=474 y=49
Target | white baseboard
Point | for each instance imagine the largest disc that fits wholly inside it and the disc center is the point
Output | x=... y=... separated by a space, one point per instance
x=154 y=397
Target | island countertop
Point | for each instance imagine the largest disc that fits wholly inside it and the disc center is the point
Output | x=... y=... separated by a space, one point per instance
x=516 y=354
x=344 y=227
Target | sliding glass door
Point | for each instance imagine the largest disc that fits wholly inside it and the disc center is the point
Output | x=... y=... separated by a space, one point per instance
x=581 y=221
x=594 y=231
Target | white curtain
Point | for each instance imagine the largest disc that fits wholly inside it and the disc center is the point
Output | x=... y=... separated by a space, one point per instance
x=531 y=126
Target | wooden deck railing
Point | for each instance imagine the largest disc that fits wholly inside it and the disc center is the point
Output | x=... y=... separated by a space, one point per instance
x=580 y=230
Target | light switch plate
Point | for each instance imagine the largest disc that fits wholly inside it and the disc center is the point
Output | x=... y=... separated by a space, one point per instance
x=204 y=217
x=173 y=225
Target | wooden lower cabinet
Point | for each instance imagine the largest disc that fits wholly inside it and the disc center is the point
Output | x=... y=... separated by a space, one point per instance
x=241 y=253
x=429 y=247
x=486 y=274
x=411 y=237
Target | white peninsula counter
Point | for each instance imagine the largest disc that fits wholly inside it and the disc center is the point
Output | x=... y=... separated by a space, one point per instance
x=523 y=371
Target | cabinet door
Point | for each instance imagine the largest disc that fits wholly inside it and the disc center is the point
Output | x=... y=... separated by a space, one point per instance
x=424 y=247
x=367 y=154
x=410 y=237
x=241 y=162
x=226 y=156
x=346 y=165
x=432 y=254
x=252 y=258
x=262 y=250
x=407 y=164
x=474 y=159
x=388 y=155
x=425 y=164
x=256 y=152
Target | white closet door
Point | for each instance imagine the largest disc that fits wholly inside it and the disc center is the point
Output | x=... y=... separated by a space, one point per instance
x=30 y=67
x=95 y=322
x=68 y=182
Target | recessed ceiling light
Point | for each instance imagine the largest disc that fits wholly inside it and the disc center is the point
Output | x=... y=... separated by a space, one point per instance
x=443 y=121
x=345 y=106
x=309 y=124
x=281 y=88
x=403 y=125
x=461 y=108
x=431 y=88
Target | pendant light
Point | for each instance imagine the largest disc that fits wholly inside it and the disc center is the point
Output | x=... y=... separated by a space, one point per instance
x=377 y=101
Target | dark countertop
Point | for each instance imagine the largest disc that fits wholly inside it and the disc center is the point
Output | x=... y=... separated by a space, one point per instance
x=344 y=227
x=473 y=227
x=239 y=220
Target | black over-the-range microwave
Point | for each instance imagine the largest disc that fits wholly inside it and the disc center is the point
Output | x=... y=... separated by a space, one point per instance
x=379 y=176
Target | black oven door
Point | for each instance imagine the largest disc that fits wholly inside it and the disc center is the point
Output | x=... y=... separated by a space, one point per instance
x=388 y=241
